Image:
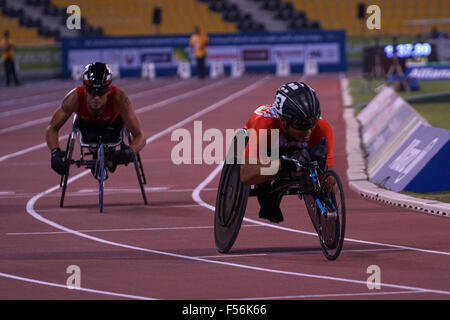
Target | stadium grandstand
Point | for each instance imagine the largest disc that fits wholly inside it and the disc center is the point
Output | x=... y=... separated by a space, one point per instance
x=43 y=21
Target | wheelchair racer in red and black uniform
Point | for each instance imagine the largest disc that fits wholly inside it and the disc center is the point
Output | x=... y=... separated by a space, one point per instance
x=102 y=110
x=303 y=135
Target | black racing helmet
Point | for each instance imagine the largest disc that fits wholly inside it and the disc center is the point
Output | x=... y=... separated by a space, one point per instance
x=97 y=78
x=298 y=104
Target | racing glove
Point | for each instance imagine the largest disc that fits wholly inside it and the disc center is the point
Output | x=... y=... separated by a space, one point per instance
x=319 y=153
x=301 y=155
x=58 y=164
x=122 y=156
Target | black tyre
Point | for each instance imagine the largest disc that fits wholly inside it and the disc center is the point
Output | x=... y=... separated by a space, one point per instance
x=231 y=200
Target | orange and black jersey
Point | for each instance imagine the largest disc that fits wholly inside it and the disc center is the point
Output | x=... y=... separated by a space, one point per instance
x=266 y=117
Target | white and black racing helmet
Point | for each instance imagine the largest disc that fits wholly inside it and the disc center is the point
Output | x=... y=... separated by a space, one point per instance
x=298 y=104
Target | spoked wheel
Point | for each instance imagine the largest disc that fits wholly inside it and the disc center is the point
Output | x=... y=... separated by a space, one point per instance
x=101 y=174
x=68 y=160
x=231 y=200
x=331 y=227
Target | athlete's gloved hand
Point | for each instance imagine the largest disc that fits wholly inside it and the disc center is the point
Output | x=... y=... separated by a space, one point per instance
x=300 y=155
x=58 y=164
x=122 y=156
x=328 y=184
x=319 y=153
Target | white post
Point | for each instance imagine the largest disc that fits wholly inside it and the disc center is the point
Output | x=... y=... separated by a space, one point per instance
x=77 y=72
x=115 y=70
x=148 y=71
x=237 y=68
x=311 y=67
x=184 y=70
x=216 y=69
x=283 y=68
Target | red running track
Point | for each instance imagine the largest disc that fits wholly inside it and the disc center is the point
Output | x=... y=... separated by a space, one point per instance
x=166 y=250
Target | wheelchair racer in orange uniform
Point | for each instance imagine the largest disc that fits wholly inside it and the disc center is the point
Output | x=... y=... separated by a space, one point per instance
x=303 y=135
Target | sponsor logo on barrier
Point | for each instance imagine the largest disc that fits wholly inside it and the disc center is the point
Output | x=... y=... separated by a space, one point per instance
x=412 y=166
x=259 y=51
x=410 y=157
x=255 y=54
x=429 y=73
x=157 y=57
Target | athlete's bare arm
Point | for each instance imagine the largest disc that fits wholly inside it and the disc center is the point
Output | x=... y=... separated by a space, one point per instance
x=68 y=106
x=254 y=173
x=131 y=121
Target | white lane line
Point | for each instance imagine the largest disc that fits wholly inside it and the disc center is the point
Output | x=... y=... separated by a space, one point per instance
x=24 y=125
x=28 y=150
x=55 y=103
x=30 y=210
x=331 y=295
x=213 y=174
x=116 y=230
x=53 y=284
x=291 y=251
x=140 y=110
x=7 y=193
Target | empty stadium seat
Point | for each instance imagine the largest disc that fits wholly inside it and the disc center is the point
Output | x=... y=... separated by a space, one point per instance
x=21 y=35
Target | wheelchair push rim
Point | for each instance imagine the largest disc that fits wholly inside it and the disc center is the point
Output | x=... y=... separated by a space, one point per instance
x=331 y=229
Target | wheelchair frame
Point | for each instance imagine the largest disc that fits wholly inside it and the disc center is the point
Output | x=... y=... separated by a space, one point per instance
x=100 y=164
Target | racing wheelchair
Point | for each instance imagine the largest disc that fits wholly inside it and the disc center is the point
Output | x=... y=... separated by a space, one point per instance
x=96 y=147
x=326 y=209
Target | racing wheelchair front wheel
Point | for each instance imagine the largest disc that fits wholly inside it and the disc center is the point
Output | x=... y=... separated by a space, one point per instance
x=68 y=160
x=232 y=196
x=101 y=175
x=331 y=226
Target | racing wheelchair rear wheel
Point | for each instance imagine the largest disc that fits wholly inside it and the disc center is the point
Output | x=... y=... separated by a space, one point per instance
x=232 y=197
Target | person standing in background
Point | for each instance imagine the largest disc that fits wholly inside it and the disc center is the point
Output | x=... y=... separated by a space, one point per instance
x=8 y=52
x=199 y=43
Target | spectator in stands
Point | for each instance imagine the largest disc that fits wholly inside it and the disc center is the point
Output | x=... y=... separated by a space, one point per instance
x=199 y=43
x=435 y=34
x=8 y=49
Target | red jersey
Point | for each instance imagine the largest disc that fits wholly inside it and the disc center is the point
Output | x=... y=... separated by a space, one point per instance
x=108 y=114
x=266 y=117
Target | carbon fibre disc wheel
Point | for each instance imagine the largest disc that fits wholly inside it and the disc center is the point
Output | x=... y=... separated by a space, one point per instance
x=231 y=200
x=231 y=203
